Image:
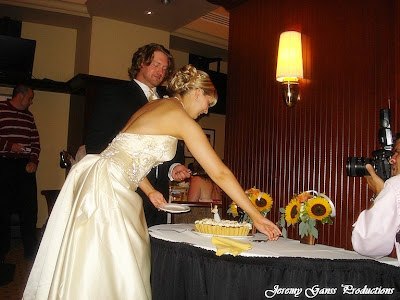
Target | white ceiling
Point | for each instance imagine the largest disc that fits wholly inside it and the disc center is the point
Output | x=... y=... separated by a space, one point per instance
x=168 y=17
x=193 y=24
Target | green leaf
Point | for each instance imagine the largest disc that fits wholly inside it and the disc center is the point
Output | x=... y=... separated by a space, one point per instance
x=314 y=232
x=303 y=229
x=304 y=217
x=327 y=220
x=229 y=211
x=282 y=210
x=247 y=219
x=284 y=233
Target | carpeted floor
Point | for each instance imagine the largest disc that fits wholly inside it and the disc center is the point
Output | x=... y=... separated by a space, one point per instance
x=15 y=289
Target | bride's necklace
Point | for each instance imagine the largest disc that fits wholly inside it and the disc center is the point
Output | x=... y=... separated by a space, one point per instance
x=183 y=105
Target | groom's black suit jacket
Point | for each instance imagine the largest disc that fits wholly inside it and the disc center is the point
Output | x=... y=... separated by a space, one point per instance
x=114 y=106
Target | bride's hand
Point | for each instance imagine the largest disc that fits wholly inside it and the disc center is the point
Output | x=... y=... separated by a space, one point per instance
x=268 y=228
x=157 y=199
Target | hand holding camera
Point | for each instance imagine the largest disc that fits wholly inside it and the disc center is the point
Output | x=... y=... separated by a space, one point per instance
x=356 y=166
x=375 y=183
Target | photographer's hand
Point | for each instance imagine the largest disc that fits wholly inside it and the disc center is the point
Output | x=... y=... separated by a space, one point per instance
x=375 y=183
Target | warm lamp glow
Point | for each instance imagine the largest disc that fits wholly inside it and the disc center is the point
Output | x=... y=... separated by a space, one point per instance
x=290 y=65
x=290 y=58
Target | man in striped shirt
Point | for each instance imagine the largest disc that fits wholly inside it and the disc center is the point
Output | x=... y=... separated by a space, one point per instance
x=19 y=158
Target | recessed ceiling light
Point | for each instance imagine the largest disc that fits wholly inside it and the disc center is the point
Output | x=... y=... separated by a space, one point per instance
x=166 y=1
x=148 y=12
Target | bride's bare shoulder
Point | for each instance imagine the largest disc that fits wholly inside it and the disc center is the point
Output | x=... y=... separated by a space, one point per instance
x=158 y=117
x=172 y=107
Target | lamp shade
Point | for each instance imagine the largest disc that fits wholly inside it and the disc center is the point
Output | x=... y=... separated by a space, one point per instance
x=290 y=59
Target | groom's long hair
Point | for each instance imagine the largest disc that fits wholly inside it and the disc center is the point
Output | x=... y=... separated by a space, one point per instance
x=144 y=55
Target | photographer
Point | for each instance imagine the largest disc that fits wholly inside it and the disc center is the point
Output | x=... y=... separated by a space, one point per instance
x=378 y=228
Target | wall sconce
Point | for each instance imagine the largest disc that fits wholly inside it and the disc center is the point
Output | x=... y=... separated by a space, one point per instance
x=290 y=66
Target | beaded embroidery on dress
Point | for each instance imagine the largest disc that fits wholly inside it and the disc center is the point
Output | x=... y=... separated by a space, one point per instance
x=96 y=244
x=137 y=154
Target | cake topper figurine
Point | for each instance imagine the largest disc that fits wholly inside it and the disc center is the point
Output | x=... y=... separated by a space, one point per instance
x=241 y=214
x=216 y=214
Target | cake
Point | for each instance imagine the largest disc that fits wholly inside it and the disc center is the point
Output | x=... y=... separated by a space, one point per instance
x=225 y=227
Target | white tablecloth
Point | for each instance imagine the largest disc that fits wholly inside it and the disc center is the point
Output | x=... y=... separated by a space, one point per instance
x=184 y=233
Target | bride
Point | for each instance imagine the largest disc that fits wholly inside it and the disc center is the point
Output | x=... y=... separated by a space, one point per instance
x=96 y=245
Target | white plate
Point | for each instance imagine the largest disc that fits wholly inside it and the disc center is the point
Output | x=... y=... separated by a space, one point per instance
x=227 y=236
x=175 y=208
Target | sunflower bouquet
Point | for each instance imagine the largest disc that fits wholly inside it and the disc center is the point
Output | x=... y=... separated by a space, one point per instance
x=306 y=209
x=262 y=201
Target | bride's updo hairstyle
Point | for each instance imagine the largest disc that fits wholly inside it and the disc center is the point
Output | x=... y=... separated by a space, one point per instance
x=188 y=78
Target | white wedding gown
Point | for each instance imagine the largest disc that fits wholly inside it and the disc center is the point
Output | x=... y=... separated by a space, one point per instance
x=96 y=244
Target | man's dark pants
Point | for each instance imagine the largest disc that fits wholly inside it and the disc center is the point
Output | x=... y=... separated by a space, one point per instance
x=18 y=194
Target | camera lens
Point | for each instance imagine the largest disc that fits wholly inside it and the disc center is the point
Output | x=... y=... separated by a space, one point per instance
x=355 y=166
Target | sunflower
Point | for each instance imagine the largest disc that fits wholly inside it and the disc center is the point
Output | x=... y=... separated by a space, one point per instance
x=318 y=208
x=252 y=194
x=292 y=211
x=263 y=204
x=233 y=209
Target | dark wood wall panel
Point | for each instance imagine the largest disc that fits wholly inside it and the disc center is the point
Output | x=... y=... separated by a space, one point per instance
x=351 y=69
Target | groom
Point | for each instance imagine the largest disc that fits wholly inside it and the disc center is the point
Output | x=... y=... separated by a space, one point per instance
x=152 y=64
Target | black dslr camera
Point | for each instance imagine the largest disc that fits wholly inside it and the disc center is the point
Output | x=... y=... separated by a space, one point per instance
x=355 y=166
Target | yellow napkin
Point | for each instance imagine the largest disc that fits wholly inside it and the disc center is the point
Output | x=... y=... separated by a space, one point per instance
x=232 y=246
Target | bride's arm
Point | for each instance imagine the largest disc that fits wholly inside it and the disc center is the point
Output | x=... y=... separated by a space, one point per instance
x=155 y=196
x=199 y=146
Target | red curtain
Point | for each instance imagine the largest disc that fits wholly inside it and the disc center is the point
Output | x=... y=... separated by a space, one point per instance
x=351 y=69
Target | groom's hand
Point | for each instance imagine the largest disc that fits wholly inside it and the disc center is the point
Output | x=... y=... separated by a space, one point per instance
x=180 y=173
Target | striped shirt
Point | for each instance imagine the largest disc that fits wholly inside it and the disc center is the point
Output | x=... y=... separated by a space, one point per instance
x=18 y=126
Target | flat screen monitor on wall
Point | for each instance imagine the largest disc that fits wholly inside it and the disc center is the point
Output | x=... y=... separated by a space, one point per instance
x=16 y=58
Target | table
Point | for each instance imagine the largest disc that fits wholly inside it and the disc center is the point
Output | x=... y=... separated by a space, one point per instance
x=184 y=266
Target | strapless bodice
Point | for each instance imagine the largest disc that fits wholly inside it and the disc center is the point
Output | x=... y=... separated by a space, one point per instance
x=136 y=154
